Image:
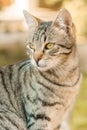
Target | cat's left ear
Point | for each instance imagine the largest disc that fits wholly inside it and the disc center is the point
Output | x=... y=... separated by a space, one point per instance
x=31 y=21
x=63 y=19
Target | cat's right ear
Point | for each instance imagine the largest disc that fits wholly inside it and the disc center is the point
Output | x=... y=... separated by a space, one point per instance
x=31 y=21
x=63 y=19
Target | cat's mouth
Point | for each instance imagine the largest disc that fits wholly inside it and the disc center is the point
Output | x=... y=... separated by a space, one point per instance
x=41 y=64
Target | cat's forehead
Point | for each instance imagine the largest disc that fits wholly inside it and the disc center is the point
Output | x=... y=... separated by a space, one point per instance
x=46 y=33
x=44 y=25
x=40 y=33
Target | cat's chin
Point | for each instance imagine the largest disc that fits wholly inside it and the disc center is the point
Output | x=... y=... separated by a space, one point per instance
x=42 y=68
x=41 y=63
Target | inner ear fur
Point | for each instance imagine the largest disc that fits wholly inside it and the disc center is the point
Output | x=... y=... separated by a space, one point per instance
x=63 y=18
x=31 y=20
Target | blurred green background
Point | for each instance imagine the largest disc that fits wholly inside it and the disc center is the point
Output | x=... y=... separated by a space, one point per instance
x=13 y=34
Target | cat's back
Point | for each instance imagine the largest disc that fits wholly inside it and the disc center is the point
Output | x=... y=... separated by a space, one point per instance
x=11 y=112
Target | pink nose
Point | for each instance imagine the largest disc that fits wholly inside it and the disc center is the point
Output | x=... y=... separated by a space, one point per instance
x=38 y=56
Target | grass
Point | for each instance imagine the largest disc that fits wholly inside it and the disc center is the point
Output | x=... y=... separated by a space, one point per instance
x=79 y=119
x=11 y=54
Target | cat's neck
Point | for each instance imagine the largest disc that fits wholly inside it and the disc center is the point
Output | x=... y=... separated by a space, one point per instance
x=67 y=74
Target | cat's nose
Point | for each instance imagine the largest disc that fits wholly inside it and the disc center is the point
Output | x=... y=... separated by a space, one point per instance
x=38 y=56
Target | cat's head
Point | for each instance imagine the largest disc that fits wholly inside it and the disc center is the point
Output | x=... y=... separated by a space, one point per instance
x=50 y=43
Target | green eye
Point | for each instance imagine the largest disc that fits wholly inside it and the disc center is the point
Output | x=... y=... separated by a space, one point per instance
x=32 y=46
x=49 y=46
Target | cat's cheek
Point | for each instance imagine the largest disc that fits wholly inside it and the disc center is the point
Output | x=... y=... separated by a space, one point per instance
x=29 y=52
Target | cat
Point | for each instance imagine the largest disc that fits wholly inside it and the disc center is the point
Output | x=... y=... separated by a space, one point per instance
x=38 y=93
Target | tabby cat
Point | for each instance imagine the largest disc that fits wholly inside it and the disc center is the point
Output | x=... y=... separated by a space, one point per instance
x=38 y=93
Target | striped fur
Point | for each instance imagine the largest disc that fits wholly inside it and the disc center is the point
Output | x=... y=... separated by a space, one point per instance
x=38 y=93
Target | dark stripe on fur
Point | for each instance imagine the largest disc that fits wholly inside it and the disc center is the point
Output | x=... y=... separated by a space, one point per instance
x=49 y=79
x=3 y=127
x=11 y=70
x=12 y=122
x=59 y=84
x=32 y=87
x=40 y=116
x=44 y=103
x=7 y=109
x=77 y=80
x=5 y=88
x=1 y=118
x=23 y=65
x=43 y=85
x=40 y=129
x=30 y=125
x=32 y=101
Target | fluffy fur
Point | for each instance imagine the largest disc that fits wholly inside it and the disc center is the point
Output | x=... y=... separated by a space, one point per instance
x=38 y=94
